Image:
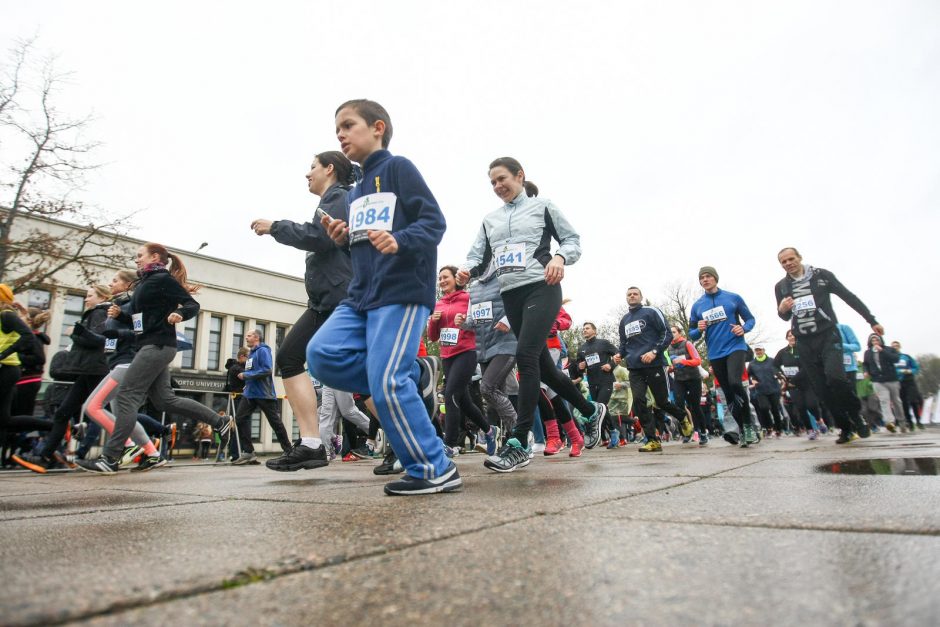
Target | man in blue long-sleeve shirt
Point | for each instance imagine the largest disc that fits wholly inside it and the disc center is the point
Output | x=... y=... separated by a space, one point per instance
x=723 y=318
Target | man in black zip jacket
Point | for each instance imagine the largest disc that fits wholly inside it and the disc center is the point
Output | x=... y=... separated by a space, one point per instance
x=644 y=335
x=803 y=299
x=596 y=358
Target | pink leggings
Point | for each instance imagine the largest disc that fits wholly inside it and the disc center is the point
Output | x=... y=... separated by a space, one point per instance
x=94 y=408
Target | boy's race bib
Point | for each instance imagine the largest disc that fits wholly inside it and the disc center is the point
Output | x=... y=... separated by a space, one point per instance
x=371 y=212
x=138 y=320
x=482 y=312
x=449 y=336
x=509 y=258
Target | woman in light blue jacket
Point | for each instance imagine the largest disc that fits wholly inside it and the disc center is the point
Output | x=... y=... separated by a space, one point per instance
x=517 y=238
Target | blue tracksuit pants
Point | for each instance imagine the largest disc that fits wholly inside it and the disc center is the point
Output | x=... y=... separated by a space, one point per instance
x=373 y=352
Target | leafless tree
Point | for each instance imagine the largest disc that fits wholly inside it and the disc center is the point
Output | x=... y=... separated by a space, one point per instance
x=44 y=159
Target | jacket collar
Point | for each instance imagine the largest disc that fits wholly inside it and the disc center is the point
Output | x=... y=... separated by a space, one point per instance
x=375 y=159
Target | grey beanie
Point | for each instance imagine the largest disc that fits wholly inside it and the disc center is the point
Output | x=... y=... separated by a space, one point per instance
x=708 y=270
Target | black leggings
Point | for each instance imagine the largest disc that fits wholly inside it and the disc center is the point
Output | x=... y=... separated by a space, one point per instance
x=820 y=359
x=292 y=355
x=689 y=394
x=532 y=310
x=71 y=407
x=458 y=371
x=9 y=375
x=769 y=405
x=654 y=379
x=728 y=371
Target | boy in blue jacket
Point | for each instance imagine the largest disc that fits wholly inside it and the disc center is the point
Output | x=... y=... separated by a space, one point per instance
x=259 y=393
x=370 y=343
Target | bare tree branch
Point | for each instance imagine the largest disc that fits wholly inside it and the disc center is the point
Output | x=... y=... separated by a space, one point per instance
x=44 y=162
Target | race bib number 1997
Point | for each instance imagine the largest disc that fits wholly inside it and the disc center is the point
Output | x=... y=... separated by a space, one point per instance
x=449 y=336
x=482 y=312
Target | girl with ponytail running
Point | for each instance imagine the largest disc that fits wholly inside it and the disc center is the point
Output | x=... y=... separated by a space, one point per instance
x=162 y=298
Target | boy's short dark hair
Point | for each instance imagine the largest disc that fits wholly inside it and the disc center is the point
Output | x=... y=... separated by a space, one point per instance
x=371 y=112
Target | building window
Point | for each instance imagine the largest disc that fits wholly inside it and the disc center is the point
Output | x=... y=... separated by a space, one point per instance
x=215 y=342
x=279 y=334
x=74 y=306
x=238 y=336
x=38 y=298
x=190 y=328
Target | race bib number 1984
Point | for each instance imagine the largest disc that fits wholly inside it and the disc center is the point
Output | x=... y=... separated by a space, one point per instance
x=371 y=212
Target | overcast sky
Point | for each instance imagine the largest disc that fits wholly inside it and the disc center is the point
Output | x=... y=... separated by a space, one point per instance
x=672 y=135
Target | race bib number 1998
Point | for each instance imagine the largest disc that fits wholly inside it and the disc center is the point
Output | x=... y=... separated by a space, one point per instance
x=449 y=336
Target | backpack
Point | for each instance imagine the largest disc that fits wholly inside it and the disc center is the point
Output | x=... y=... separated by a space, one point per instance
x=59 y=367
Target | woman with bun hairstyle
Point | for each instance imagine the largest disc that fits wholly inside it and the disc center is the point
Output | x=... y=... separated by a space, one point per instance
x=326 y=278
x=162 y=298
x=86 y=362
x=518 y=236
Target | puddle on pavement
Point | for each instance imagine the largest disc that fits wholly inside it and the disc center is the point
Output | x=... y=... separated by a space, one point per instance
x=884 y=466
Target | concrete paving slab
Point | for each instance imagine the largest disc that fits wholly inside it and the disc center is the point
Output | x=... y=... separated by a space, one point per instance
x=235 y=538
x=145 y=552
x=29 y=507
x=573 y=571
x=874 y=503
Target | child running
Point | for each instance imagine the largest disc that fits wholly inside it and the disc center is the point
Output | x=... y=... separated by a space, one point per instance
x=370 y=343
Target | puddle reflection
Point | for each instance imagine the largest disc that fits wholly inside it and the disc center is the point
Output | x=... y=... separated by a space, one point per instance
x=885 y=466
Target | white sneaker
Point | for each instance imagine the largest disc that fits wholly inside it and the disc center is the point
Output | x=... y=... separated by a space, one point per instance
x=538 y=447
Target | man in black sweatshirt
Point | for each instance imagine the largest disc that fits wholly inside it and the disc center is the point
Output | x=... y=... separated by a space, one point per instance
x=803 y=299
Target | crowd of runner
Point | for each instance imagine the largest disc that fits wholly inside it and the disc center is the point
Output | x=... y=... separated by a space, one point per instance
x=511 y=387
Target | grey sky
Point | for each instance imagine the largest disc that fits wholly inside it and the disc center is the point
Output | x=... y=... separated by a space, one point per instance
x=673 y=135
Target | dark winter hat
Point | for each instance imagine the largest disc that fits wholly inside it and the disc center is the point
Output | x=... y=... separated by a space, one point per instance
x=708 y=270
